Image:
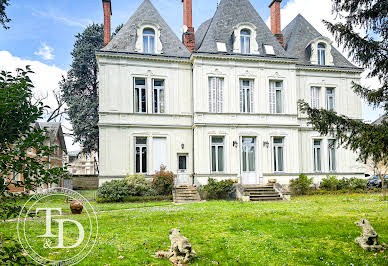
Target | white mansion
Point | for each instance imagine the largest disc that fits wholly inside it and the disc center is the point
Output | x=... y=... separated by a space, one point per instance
x=222 y=102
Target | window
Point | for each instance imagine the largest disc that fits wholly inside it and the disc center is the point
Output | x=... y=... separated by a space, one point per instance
x=269 y=50
x=276 y=97
x=16 y=177
x=315 y=91
x=317 y=155
x=217 y=152
x=216 y=94
x=182 y=165
x=332 y=157
x=246 y=96
x=140 y=96
x=248 y=154
x=321 y=54
x=158 y=96
x=88 y=170
x=149 y=41
x=330 y=99
x=278 y=153
x=245 y=41
x=141 y=155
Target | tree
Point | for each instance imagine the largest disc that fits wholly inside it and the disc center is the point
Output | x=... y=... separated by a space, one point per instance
x=3 y=16
x=371 y=52
x=80 y=87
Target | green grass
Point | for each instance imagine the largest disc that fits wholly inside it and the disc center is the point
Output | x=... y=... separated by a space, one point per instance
x=314 y=230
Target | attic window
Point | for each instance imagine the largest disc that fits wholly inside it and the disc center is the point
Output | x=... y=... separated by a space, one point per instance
x=245 y=41
x=221 y=47
x=269 y=50
x=321 y=54
x=149 y=41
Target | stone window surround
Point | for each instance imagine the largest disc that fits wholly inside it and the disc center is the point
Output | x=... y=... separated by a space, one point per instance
x=237 y=37
x=314 y=51
x=139 y=40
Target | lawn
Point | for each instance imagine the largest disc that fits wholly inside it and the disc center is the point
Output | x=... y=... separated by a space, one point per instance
x=313 y=230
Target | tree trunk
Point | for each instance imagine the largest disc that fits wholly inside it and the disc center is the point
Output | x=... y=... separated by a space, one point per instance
x=383 y=189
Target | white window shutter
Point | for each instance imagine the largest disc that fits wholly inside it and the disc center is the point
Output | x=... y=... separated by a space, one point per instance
x=220 y=94
x=241 y=96
x=251 y=92
x=212 y=94
x=272 y=100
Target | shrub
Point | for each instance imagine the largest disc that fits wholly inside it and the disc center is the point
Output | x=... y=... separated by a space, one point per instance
x=137 y=185
x=138 y=199
x=113 y=191
x=218 y=190
x=163 y=182
x=301 y=185
x=358 y=183
x=330 y=183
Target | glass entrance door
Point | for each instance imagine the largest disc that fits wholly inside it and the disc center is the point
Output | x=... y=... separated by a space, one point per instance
x=248 y=160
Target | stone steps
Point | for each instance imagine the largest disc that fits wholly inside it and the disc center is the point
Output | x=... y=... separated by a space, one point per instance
x=186 y=194
x=262 y=193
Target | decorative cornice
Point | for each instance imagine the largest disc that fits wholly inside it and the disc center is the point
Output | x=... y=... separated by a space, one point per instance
x=240 y=57
x=319 y=68
x=140 y=56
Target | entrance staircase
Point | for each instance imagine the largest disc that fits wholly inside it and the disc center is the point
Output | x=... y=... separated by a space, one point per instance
x=262 y=193
x=186 y=194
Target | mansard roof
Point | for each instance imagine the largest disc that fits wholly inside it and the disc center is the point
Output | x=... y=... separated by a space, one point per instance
x=125 y=39
x=297 y=36
x=220 y=28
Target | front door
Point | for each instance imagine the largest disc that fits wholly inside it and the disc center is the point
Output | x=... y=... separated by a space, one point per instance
x=248 y=161
x=183 y=177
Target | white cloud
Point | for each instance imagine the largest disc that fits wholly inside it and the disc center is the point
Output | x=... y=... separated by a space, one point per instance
x=72 y=22
x=45 y=51
x=45 y=80
x=314 y=12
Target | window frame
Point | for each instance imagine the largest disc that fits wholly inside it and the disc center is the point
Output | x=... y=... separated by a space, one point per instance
x=216 y=95
x=332 y=151
x=315 y=97
x=159 y=103
x=141 y=146
x=317 y=148
x=275 y=156
x=245 y=41
x=273 y=89
x=216 y=146
x=150 y=37
x=330 y=96
x=248 y=145
x=137 y=102
x=321 y=53
x=248 y=90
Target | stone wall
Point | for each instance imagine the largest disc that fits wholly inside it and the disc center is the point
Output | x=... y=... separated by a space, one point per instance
x=85 y=182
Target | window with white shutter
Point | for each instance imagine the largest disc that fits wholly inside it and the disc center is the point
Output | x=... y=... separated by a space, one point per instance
x=216 y=94
x=315 y=92
x=246 y=96
x=276 y=97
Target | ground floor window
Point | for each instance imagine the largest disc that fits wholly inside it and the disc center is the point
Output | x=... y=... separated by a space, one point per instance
x=278 y=153
x=332 y=155
x=317 y=155
x=217 y=153
x=248 y=154
x=141 y=155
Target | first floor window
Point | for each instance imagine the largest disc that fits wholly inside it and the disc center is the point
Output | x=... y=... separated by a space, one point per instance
x=278 y=153
x=140 y=97
x=217 y=153
x=332 y=157
x=317 y=155
x=276 y=97
x=216 y=94
x=158 y=96
x=315 y=91
x=141 y=155
x=330 y=99
x=246 y=93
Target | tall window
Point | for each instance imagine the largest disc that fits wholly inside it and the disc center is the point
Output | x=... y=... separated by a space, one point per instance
x=276 y=97
x=332 y=157
x=158 y=96
x=278 y=153
x=321 y=54
x=140 y=96
x=248 y=154
x=217 y=150
x=330 y=99
x=149 y=41
x=246 y=93
x=216 y=94
x=141 y=155
x=315 y=92
x=317 y=155
x=245 y=41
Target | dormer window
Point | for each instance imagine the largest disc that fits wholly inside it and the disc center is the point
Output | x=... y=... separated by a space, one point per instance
x=321 y=54
x=245 y=41
x=149 y=41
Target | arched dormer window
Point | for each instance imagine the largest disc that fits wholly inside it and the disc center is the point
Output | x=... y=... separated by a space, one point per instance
x=245 y=41
x=321 y=54
x=148 y=41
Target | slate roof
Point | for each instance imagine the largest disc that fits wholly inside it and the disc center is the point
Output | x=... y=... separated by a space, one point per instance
x=380 y=120
x=220 y=28
x=54 y=130
x=298 y=34
x=125 y=39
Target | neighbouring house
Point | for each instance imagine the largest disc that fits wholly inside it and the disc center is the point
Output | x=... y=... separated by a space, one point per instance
x=55 y=138
x=81 y=163
x=381 y=119
x=222 y=102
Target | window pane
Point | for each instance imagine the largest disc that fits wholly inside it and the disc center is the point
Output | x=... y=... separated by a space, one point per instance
x=275 y=158
x=220 y=159
x=140 y=81
x=143 y=101
x=317 y=142
x=246 y=83
x=319 y=167
x=141 y=140
x=144 y=160
x=149 y=31
x=137 y=100
x=217 y=140
x=242 y=45
x=145 y=44
x=161 y=100
x=137 y=160
x=214 y=168
x=244 y=158
x=152 y=45
x=248 y=104
x=278 y=101
x=280 y=161
x=156 y=101
x=182 y=163
x=278 y=140
x=244 y=100
x=251 y=158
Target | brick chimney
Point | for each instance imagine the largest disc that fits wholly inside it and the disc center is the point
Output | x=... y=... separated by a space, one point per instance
x=107 y=6
x=275 y=21
x=188 y=37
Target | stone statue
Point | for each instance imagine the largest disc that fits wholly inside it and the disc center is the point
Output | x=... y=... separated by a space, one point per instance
x=368 y=238
x=180 y=250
